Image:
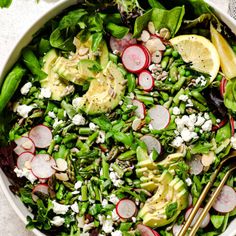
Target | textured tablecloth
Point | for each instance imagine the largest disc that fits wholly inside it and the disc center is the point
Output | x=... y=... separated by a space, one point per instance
x=13 y=22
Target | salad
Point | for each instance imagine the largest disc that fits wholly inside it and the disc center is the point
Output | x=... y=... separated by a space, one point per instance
x=116 y=115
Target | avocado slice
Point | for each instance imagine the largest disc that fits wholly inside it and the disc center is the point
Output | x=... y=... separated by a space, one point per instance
x=104 y=58
x=52 y=81
x=105 y=91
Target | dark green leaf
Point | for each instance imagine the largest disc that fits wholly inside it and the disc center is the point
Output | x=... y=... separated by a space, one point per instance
x=171 y=210
x=103 y=122
x=126 y=139
x=116 y=30
x=5 y=3
x=96 y=41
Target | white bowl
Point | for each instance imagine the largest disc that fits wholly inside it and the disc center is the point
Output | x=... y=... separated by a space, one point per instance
x=15 y=202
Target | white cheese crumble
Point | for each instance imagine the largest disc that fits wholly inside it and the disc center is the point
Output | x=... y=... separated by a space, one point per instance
x=116 y=233
x=114 y=215
x=26 y=88
x=24 y=110
x=87 y=227
x=233 y=141
x=177 y=142
x=200 y=121
x=104 y=202
x=207 y=126
x=113 y=199
x=134 y=219
x=176 y=111
x=188 y=181
x=76 y=102
x=78 y=184
x=101 y=137
x=78 y=119
x=92 y=126
x=45 y=93
x=107 y=226
x=60 y=209
x=57 y=122
x=80 y=221
x=25 y=173
x=52 y=114
x=75 y=207
x=115 y=179
x=183 y=98
x=58 y=221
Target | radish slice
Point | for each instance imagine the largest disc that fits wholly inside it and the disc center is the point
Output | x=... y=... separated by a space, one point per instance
x=41 y=136
x=160 y=117
x=126 y=208
x=190 y=200
x=223 y=83
x=196 y=166
x=137 y=124
x=156 y=57
x=140 y=111
x=204 y=223
x=121 y=44
x=149 y=61
x=135 y=58
x=145 y=231
x=151 y=143
x=176 y=229
x=41 y=188
x=146 y=80
x=155 y=233
x=42 y=166
x=226 y=201
x=23 y=161
x=24 y=144
x=231 y=120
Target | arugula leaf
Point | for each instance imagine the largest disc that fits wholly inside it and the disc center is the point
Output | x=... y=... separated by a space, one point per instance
x=5 y=3
x=171 y=210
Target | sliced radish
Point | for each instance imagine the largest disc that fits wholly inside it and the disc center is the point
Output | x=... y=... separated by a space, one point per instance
x=42 y=166
x=145 y=231
x=231 y=120
x=137 y=124
x=176 y=229
x=126 y=208
x=226 y=201
x=135 y=58
x=146 y=80
x=24 y=144
x=196 y=166
x=41 y=136
x=23 y=161
x=149 y=61
x=140 y=110
x=121 y=44
x=151 y=143
x=155 y=233
x=156 y=57
x=190 y=200
x=204 y=223
x=223 y=84
x=160 y=117
x=41 y=188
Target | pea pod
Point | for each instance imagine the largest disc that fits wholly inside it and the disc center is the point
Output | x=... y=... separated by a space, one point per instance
x=10 y=85
x=131 y=82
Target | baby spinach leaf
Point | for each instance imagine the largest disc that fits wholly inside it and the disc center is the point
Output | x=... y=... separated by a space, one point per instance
x=171 y=210
x=96 y=40
x=223 y=133
x=217 y=220
x=116 y=30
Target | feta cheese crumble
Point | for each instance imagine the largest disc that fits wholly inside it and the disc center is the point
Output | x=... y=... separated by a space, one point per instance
x=113 y=199
x=60 y=209
x=25 y=173
x=183 y=98
x=52 y=114
x=92 y=126
x=115 y=179
x=176 y=111
x=78 y=119
x=116 y=233
x=76 y=102
x=58 y=221
x=75 y=207
x=78 y=184
x=26 y=88
x=24 y=110
x=45 y=93
x=114 y=215
x=101 y=137
x=107 y=226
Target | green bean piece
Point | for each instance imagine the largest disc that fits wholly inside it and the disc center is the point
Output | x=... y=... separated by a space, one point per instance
x=182 y=107
x=174 y=73
x=69 y=138
x=91 y=191
x=85 y=131
x=126 y=155
x=10 y=85
x=113 y=58
x=44 y=46
x=176 y=98
x=70 y=111
x=213 y=118
x=145 y=130
x=164 y=62
x=145 y=99
x=168 y=103
x=164 y=96
x=198 y=96
x=131 y=82
x=32 y=63
x=60 y=192
x=84 y=193
x=92 y=138
x=105 y=168
x=98 y=196
x=179 y=84
x=199 y=106
x=83 y=208
x=168 y=52
x=117 y=169
x=51 y=147
x=79 y=144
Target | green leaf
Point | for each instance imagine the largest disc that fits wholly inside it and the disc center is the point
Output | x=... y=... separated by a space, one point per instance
x=201 y=148
x=126 y=139
x=217 y=220
x=116 y=30
x=223 y=133
x=103 y=122
x=155 y=3
x=96 y=41
x=5 y=3
x=171 y=210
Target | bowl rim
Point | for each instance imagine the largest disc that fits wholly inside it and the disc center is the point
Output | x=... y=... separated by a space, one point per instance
x=14 y=55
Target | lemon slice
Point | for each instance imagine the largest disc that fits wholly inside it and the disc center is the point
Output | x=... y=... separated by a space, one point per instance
x=200 y=52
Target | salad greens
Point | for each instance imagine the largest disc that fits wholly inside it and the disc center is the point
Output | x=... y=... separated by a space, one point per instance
x=105 y=128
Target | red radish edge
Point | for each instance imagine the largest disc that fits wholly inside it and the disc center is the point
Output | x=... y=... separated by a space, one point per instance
x=223 y=83
x=145 y=230
x=160 y=117
x=39 y=188
x=145 y=63
x=226 y=201
x=19 y=142
x=151 y=143
x=140 y=110
x=146 y=83
x=41 y=136
x=221 y=124
x=126 y=208
x=231 y=120
x=204 y=223
x=23 y=158
x=155 y=233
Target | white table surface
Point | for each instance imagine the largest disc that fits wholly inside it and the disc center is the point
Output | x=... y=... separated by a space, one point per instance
x=13 y=22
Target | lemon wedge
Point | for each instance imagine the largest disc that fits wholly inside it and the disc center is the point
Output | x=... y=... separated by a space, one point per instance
x=200 y=52
x=227 y=55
